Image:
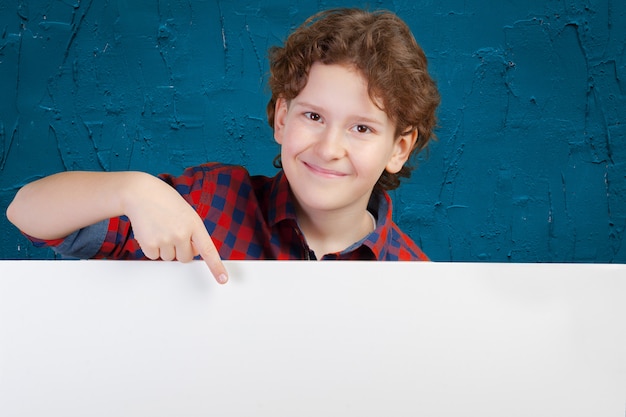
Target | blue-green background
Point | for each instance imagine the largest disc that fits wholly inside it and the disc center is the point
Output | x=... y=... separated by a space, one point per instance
x=530 y=164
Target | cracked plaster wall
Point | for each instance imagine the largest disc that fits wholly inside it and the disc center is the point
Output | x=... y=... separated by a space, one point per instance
x=530 y=164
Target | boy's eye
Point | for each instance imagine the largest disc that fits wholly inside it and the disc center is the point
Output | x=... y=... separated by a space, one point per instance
x=362 y=129
x=313 y=116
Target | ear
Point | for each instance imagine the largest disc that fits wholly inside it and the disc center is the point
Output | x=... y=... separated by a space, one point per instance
x=401 y=151
x=280 y=116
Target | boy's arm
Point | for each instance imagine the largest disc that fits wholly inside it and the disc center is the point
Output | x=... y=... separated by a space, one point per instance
x=164 y=224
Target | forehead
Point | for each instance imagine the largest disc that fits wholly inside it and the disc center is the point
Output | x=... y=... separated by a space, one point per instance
x=339 y=84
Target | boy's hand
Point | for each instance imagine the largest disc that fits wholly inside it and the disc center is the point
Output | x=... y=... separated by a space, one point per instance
x=167 y=227
x=204 y=246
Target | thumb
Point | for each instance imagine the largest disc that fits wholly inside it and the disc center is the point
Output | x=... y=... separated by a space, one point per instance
x=204 y=246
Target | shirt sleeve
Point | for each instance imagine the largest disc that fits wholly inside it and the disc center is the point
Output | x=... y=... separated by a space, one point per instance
x=114 y=238
x=83 y=243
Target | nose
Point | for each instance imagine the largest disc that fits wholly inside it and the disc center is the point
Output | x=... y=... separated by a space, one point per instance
x=331 y=144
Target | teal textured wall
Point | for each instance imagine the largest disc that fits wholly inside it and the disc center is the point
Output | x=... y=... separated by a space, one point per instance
x=530 y=165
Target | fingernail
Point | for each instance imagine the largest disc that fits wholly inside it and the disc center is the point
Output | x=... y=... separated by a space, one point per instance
x=222 y=279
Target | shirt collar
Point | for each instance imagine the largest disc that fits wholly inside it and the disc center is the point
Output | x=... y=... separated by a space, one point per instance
x=282 y=206
x=380 y=206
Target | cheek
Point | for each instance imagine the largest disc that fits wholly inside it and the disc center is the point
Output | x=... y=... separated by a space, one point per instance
x=294 y=139
x=289 y=151
x=288 y=147
x=374 y=158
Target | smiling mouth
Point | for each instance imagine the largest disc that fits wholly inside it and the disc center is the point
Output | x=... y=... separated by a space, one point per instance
x=328 y=173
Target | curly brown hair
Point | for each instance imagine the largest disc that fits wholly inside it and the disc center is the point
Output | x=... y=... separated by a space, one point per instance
x=382 y=47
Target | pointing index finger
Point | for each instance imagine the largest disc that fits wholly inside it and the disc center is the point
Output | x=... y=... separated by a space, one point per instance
x=203 y=245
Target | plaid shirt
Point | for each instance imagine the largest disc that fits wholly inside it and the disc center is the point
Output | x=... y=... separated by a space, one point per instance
x=248 y=217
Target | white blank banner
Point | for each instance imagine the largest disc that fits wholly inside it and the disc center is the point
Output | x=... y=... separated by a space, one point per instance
x=122 y=338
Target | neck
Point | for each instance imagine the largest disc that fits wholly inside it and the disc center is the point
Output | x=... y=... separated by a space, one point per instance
x=330 y=232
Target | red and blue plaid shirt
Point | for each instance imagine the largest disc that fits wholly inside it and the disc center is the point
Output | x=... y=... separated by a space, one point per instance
x=248 y=217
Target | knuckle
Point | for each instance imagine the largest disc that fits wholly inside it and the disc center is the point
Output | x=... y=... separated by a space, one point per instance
x=167 y=256
x=150 y=252
x=184 y=257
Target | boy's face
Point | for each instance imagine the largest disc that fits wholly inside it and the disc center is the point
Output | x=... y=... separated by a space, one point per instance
x=335 y=142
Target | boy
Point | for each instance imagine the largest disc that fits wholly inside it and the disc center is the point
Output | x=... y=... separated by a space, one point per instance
x=351 y=102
